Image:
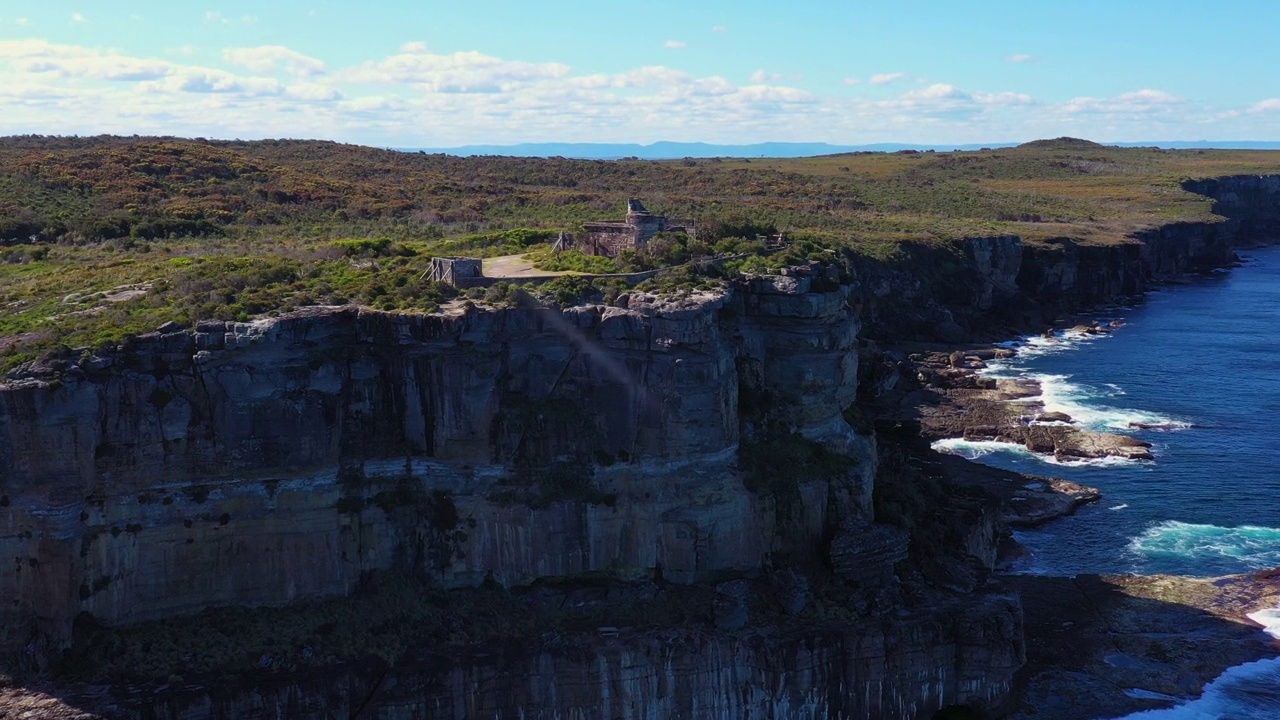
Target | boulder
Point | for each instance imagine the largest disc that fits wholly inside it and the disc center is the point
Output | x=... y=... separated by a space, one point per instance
x=730 y=604
x=864 y=554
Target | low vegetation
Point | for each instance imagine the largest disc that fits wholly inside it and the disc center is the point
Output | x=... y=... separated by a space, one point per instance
x=105 y=236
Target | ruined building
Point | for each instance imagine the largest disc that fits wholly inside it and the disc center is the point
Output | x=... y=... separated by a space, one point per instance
x=610 y=238
x=457 y=271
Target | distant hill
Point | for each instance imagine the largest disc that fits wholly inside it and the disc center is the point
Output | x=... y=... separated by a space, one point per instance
x=1065 y=143
x=677 y=150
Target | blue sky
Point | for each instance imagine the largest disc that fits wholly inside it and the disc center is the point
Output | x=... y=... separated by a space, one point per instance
x=441 y=74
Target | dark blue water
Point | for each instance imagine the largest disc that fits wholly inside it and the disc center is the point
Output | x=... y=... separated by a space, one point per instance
x=1203 y=361
x=1205 y=356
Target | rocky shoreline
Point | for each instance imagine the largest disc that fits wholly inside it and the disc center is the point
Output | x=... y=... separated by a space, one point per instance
x=1097 y=646
x=1106 y=646
x=954 y=401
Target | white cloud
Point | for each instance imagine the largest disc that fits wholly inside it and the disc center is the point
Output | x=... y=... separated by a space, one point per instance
x=674 y=44
x=462 y=72
x=1141 y=101
x=1003 y=98
x=78 y=18
x=936 y=92
x=268 y=59
x=21 y=22
x=645 y=77
x=209 y=80
x=770 y=93
x=720 y=28
x=852 y=81
x=184 y=51
x=417 y=97
x=104 y=67
x=1020 y=58
x=22 y=49
x=886 y=78
x=313 y=91
x=763 y=76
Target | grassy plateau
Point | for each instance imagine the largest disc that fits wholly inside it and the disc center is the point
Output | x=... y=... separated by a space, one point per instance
x=106 y=236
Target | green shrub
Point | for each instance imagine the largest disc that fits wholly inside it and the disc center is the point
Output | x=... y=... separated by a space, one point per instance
x=566 y=291
x=572 y=261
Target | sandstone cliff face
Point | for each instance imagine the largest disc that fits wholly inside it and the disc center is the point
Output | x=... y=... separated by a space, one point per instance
x=265 y=462
x=269 y=462
x=893 y=668
x=1250 y=203
x=998 y=285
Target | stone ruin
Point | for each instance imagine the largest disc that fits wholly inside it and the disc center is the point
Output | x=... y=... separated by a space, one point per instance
x=457 y=271
x=633 y=233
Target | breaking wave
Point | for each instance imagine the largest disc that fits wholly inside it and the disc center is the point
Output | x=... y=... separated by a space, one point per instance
x=975 y=449
x=1245 y=692
x=1250 y=546
x=1059 y=394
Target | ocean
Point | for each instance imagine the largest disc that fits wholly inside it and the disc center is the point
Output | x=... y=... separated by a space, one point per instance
x=1201 y=363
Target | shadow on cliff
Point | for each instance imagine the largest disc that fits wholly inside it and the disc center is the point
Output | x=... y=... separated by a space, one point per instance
x=1094 y=642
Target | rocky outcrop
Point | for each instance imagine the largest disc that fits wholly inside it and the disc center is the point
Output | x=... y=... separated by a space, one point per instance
x=865 y=554
x=954 y=402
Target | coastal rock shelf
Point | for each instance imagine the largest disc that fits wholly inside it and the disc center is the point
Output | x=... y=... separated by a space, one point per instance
x=954 y=402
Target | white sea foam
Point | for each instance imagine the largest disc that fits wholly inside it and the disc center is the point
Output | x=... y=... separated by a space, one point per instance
x=974 y=449
x=1061 y=341
x=1141 y=694
x=1102 y=462
x=1269 y=619
x=1121 y=506
x=1059 y=394
x=1245 y=692
x=1254 y=547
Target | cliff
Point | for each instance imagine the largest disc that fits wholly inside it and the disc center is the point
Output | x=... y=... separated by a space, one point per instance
x=285 y=460
x=273 y=454
x=688 y=441
x=987 y=287
x=903 y=668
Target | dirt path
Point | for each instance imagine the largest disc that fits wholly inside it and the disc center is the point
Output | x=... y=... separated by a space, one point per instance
x=514 y=266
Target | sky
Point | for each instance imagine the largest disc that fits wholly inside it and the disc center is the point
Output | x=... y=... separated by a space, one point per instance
x=426 y=73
